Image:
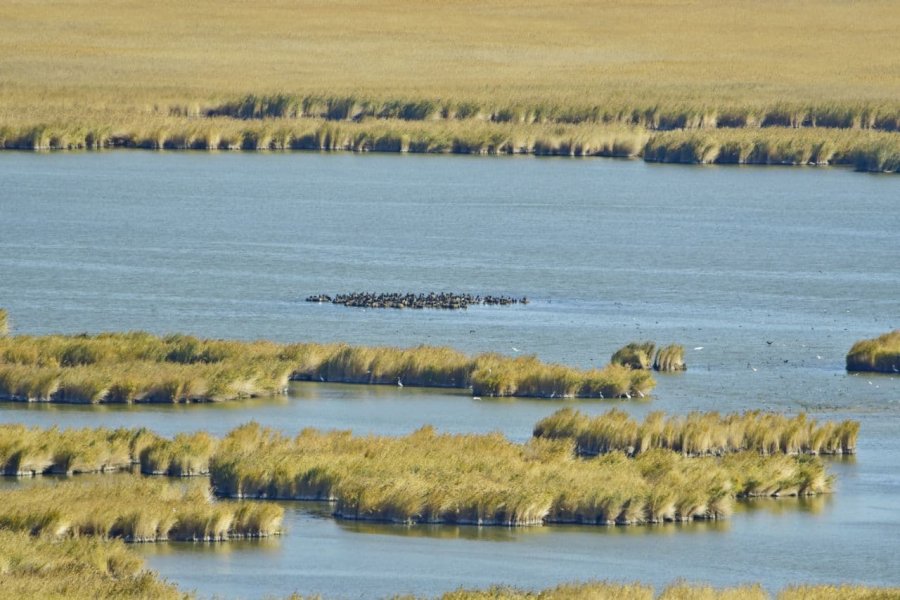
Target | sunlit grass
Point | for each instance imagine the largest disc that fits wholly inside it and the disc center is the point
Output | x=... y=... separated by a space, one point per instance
x=879 y=354
x=569 y=78
x=487 y=480
x=45 y=567
x=134 y=508
x=140 y=367
x=699 y=434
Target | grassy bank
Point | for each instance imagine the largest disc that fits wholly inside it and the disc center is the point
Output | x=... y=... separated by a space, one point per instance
x=699 y=434
x=563 y=78
x=863 y=149
x=487 y=480
x=140 y=367
x=4 y=322
x=45 y=567
x=881 y=354
x=135 y=509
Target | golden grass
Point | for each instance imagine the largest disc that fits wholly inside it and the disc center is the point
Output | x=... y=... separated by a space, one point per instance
x=45 y=567
x=135 y=509
x=574 y=77
x=4 y=322
x=838 y=592
x=699 y=434
x=139 y=367
x=487 y=480
x=881 y=354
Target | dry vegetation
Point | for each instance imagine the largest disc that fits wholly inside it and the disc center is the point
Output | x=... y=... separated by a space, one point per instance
x=881 y=354
x=762 y=83
x=699 y=434
x=644 y=355
x=46 y=567
x=134 y=508
x=487 y=480
x=140 y=367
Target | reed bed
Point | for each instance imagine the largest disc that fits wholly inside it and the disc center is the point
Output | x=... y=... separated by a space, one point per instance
x=35 y=451
x=135 y=509
x=699 y=434
x=40 y=567
x=4 y=322
x=863 y=149
x=881 y=354
x=645 y=355
x=487 y=480
x=140 y=367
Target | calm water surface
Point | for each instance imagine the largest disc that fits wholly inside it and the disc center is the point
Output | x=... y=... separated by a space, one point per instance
x=722 y=260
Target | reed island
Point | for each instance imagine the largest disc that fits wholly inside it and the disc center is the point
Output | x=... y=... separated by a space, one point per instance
x=141 y=367
x=879 y=355
x=699 y=82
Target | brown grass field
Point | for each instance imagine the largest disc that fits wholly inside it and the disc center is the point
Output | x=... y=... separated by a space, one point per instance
x=89 y=73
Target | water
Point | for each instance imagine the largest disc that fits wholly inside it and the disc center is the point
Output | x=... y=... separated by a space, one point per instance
x=722 y=260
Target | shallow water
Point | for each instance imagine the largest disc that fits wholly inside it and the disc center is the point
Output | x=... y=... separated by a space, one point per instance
x=722 y=260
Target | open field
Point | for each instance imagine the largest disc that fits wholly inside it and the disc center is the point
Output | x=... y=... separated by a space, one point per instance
x=562 y=78
x=881 y=354
x=699 y=434
x=134 y=508
x=140 y=367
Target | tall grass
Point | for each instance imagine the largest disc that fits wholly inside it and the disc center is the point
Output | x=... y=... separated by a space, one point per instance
x=881 y=354
x=134 y=509
x=77 y=568
x=487 y=480
x=139 y=367
x=36 y=451
x=699 y=434
x=4 y=322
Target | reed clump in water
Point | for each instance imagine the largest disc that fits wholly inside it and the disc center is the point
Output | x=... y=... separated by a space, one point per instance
x=34 y=451
x=645 y=355
x=699 y=434
x=186 y=455
x=135 y=509
x=669 y=359
x=881 y=354
x=139 y=367
x=79 y=568
x=636 y=355
x=487 y=480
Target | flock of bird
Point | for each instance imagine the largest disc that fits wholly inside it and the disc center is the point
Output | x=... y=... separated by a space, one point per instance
x=445 y=300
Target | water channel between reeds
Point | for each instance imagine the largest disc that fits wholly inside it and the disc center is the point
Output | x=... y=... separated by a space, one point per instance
x=766 y=276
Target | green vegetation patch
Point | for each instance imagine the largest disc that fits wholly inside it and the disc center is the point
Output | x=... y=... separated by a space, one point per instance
x=699 y=434
x=881 y=354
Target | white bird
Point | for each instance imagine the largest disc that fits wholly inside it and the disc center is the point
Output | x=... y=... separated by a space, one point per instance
x=640 y=393
x=476 y=397
x=399 y=383
x=515 y=349
x=819 y=357
x=699 y=348
x=321 y=378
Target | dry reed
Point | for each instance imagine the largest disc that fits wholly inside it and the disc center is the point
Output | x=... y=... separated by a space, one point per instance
x=42 y=567
x=699 y=434
x=135 y=509
x=881 y=354
x=139 y=367
x=487 y=480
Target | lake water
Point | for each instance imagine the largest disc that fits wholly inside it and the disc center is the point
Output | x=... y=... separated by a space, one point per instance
x=723 y=260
